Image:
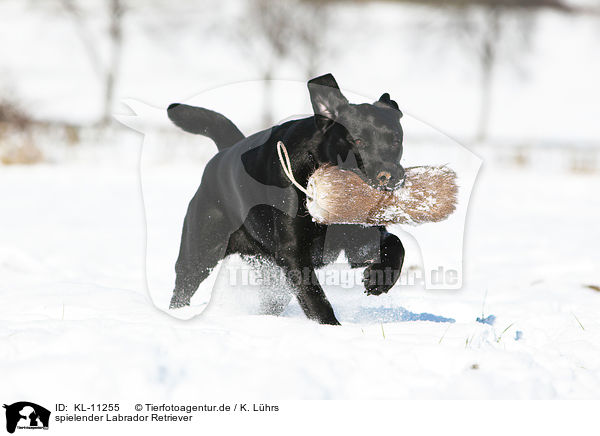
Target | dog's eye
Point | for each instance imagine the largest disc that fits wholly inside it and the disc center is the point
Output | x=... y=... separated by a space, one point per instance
x=358 y=142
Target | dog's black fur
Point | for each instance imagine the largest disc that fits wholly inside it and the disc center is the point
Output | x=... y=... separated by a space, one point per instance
x=245 y=204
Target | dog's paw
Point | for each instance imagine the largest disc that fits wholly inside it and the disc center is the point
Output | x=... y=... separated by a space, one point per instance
x=378 y=279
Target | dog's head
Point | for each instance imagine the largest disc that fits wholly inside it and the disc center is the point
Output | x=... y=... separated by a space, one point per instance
x=366 y=138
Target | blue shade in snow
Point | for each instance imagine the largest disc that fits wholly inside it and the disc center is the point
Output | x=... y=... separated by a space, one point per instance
x=518 y=335
x=392 y=314
x=490 y=320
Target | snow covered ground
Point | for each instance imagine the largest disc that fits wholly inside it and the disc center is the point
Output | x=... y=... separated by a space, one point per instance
x=76 y=318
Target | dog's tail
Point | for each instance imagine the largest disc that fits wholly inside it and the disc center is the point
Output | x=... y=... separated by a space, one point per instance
x=205 y=122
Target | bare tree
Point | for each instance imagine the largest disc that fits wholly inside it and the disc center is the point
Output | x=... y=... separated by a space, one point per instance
x=486 y=34
x=115 y=32
x=489 y=31
x=107 y=69
x=487 y=57
x=497 y=34
x=278 y=32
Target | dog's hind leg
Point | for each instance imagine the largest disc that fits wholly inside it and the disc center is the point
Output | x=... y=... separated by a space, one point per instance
x=274 y=301
x=204 y=240
x=274 y=293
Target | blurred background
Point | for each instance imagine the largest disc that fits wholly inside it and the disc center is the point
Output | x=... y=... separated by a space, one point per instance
x=508 y=77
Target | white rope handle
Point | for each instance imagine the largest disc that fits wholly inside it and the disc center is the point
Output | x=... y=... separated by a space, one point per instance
x=286 y=165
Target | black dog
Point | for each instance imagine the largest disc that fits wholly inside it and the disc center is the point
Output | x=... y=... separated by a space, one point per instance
x=245 y=204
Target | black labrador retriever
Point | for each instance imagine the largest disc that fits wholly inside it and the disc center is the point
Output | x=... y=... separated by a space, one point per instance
x=246 y=205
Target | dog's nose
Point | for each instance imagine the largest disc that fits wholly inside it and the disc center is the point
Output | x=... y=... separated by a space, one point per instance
x=401 y=177
x=391 y=179
x=383 y=178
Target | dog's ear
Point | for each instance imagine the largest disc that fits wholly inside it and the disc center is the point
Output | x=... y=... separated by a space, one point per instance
x=326 y=99
x=385 y=100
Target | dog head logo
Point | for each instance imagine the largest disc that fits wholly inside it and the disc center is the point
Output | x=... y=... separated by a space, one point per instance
x=26 y=415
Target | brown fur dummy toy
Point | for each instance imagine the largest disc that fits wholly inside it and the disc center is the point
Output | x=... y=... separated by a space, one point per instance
x=337 y=196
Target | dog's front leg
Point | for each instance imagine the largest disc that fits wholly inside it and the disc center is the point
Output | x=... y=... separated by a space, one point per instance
x=379 y=277
x=305 y=285
x=313 y=301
